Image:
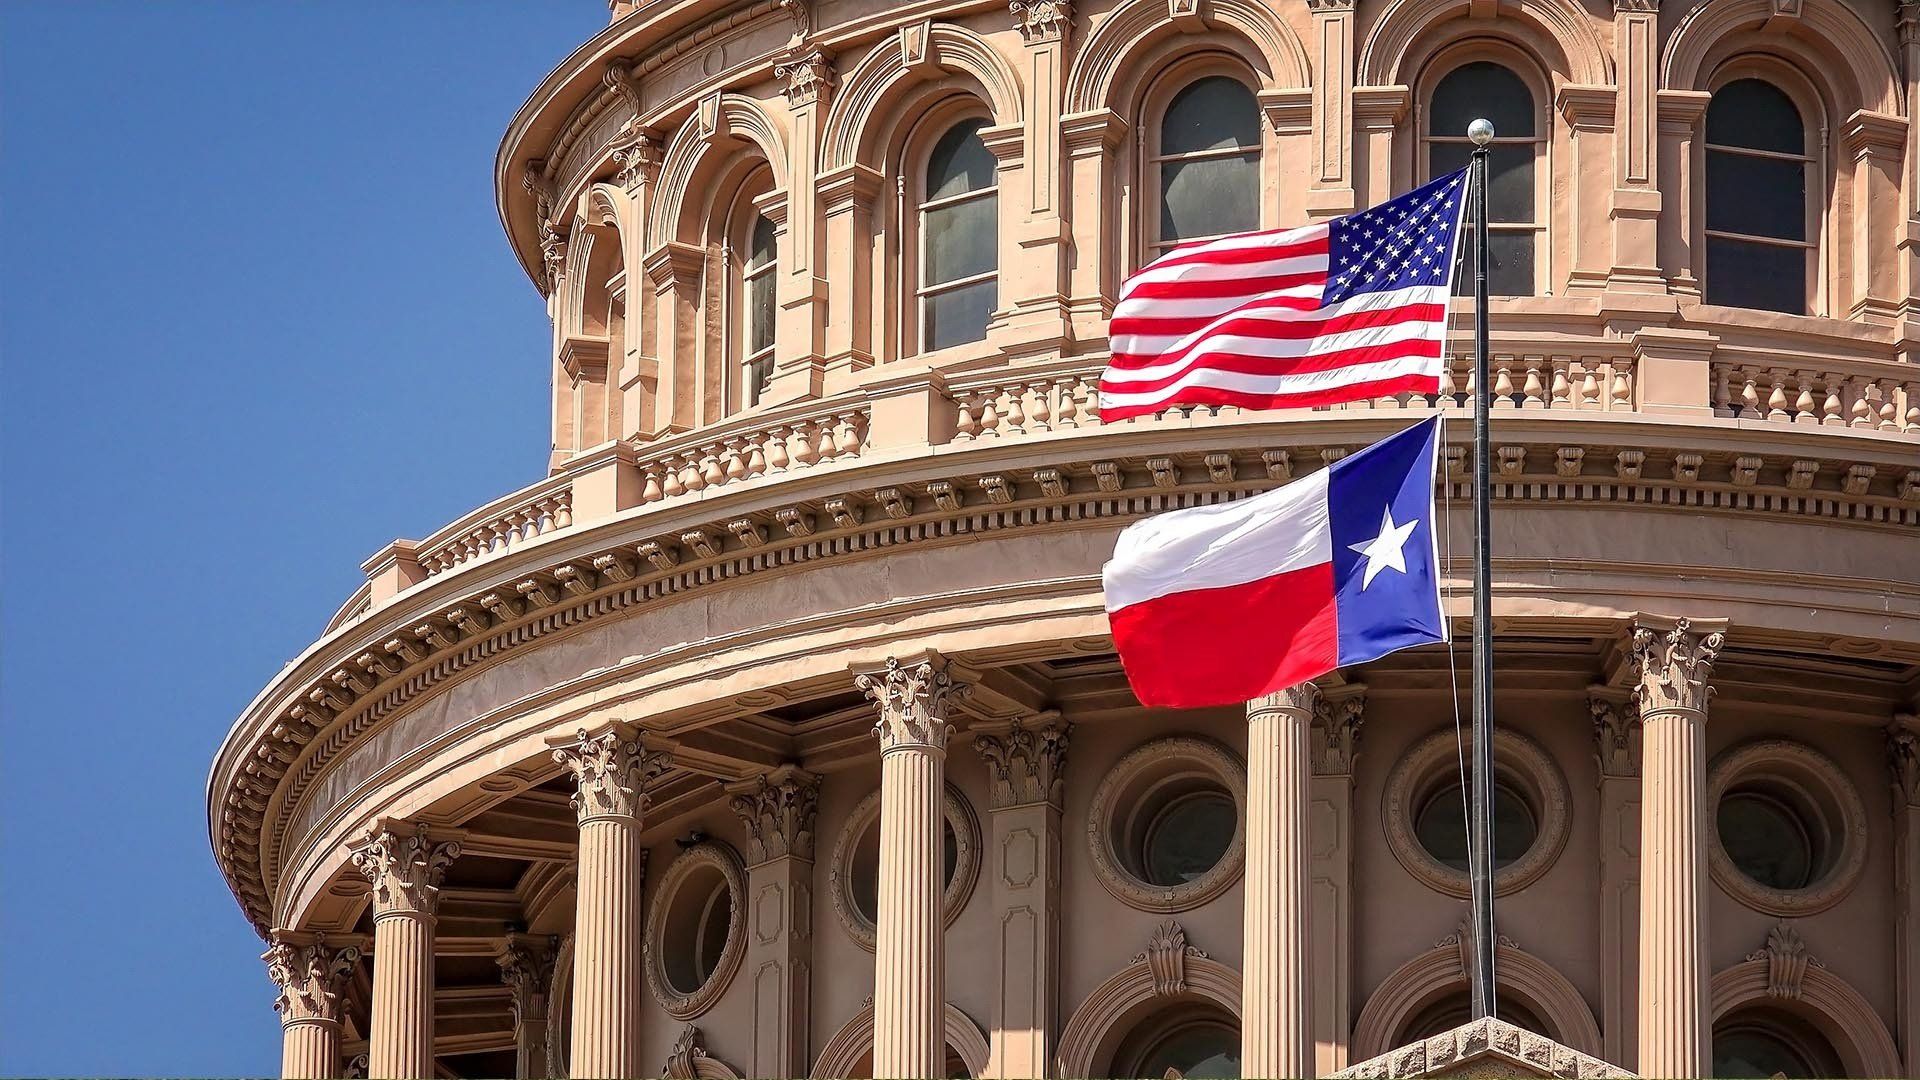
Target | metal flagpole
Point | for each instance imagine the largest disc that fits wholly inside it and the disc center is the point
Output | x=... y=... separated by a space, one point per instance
x=1480 y=820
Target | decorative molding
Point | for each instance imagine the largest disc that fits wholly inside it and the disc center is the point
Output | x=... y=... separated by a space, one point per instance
x=866 y=815
x=1787 y=961
x=808 y=75
x=685 y=1005
x=1811 y=775
x=405 y=867
x=690 y=1060
x=1414 y=985
x=1119 y=785
x=854 y=1041
x=1337 y=721
x=1026 y=761
x=1903 y=759
x=914 y=702
x=612 y=771
x=1041 y=21
x=311 y=974
x=1848 y=1021
x=527 y=967
x=1674 y=661
x=1488 y=1046
x=1414 y=777
x=1117 y=1004
x=1616 y=733
x=1166 y=958
x=778 y=810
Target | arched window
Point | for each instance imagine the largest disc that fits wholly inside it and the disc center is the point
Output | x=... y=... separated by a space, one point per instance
x=959 y=216
x=1771 y=1042
x=1759 y=233
x=1190 y=1040
x=1207 y=161
x=1515 y=224
x=757 y=279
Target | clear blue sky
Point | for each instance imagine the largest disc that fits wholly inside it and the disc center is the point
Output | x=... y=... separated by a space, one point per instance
x=257 y=318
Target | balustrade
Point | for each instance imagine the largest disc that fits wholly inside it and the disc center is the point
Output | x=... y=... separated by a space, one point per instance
x=769 y=447
x=490 y=531
x=1797 y=395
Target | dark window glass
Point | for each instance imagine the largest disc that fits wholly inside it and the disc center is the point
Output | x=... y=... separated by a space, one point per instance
x=1765 y=839
x=1743 y=273
x=1188 y=836
x=962 y=239
x=864 y=871
x=1214 y=113
x=960 y=162
x=1485 y=89
x=1203 y=1049
x=763 y=243
x=1441 y=826
x=1209 y=161
x=960 y=315
x=1757 y=196
x=759 y=273
x=959 y=239
x=1756 y=115
x=1481 y=89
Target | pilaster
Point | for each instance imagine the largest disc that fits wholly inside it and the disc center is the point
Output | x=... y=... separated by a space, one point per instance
x=1903 y=766
x=312 y=975
x=1331 y=192
x=677 y=271
x=799 y=371
x=1275 y=1004
x=526 y=967
x=1679 y=115
x=1636 y=144
x=1589 y=113
x=1673 y=658
x=1026 y=762
x=405 y=864
x=1091 y=141
x=1377 y=113
x=779 y=811
x=1908 y=19
x=1875 y=143
x=1616 y=731
x=847 y=199
x=1034 y=286
x=1334 y=747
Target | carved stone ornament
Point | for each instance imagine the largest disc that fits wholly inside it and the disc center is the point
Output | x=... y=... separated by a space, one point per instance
x=807 y=73
x=1674 y=666
x=1787 y=961
x=1903 y=758
x=1485 y=1047
x=1042 y=20
x=1166 y=956
x=312 y=978
x=357 y=1067
x=405 y=867
x=526 y=967
x=685 y=1060
x=634 y=158
x=1616 y=733
x=914 y=702
x=553 y=254
x=680 y=886
x=1027 y=763
x=1119 y=796
x=779 y=811
x=1336 y=734
x=611 y=772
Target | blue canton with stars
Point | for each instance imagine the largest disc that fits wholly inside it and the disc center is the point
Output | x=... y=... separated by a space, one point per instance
x=1401 y=243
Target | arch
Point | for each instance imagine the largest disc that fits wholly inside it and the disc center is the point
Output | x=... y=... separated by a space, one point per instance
x=1441 y=970
x=855 y=1040
x=1851 y=50
x=722 y=125
x=1823 y=999
x=1111 y=1011
x=1388 y=56
x=1115 y=46
x=939 y=49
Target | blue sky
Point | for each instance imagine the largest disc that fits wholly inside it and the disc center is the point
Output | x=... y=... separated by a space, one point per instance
x=257 y=318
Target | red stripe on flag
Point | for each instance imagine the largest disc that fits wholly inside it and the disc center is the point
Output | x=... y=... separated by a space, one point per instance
x=1229 y=645
x=1252 y=253
x=1288 y=330
x=1215 y=288
x=1278 y=366
x=1210 y=395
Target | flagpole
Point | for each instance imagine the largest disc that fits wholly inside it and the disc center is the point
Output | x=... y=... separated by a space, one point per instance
x=1480 y=820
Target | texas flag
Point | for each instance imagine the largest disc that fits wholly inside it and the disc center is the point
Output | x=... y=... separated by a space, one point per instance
x=1220 y=604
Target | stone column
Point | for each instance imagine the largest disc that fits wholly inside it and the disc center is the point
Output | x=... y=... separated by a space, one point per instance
x=611 y=770
x=678 y=273
x=1876 y=143
x=1682 y=200
x=1276 y=1036
x=1903 y=759
x=779 y=810
x=1616 y=730
x=1033 y=268
x=808 y=74
x=1092 y=193
x=1336 y=743
x=1027 y=762
x=312 y=975
x=909 y=978
x=1636 y=145
x=405 y=865
x=526 y=966
x=1332 y=191
x=1673 y=658
x=1377 y=114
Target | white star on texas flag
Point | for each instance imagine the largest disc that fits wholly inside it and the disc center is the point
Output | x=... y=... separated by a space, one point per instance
x=1385 y=550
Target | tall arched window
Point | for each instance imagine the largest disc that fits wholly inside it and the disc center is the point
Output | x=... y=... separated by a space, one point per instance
x=1483 y=88
x=757 y=279
x=959 y=216
x=1759 y=237
x=1208 y=163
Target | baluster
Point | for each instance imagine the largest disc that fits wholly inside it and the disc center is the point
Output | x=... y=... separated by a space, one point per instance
x=1449 y=388
x=966 y=421
x=1803 y=403
x=1777 y=397
x=670 y=484
x=1016 y=414
x=846 y=440
x=1831 y=409
x=1749 y=394
x=1561 y=388
x=650 y=489
x=777 y=458
x=735 y=460
x=1911 y=418
x=989 y=416
x=1722 y=400
x=1503 y=386
x=756 y=451
x=828 y=448
x=1859 y=391
x=1889 y=406
x=1068 y=416
x=1532 y=393
x=563 y=510
x=1622 y=390
x=713 y=466
x=1589 y=384
x=691 y=474
x=804 y=446
x=1042 y=411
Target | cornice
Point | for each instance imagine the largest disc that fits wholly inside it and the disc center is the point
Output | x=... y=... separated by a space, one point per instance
x=324 y=703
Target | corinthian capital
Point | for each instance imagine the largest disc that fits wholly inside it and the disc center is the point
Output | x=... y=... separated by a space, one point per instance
x=311 y=974
x=1042 y=20
x=914 y=702
x=779 y=810
x=1336 y=732
x=1674 y=659
x=1616 y=734
x=1027 y=761
x=808 y=74
x=1903 y=758
x=526 y=966
x=405 y=867
x=611 y=770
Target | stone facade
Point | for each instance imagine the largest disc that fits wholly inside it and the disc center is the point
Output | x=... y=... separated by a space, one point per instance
x=547 y=796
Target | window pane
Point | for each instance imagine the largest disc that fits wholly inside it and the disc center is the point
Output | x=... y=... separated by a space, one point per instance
x=1756 y=196
x=1208 y=196
x=1510 y=263
x=760 y=312
x=960 y=239
x=762 y=251
x=959 y=315
x=960 y=162
x=1215 y=113
x=1509 y=176
x=1743 y=274
x=1481 y=89
x=1756 y=115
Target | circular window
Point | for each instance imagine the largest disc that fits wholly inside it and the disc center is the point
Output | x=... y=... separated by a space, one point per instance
x=1167 y=825
x=694 y=930
x=1425 y=813
x=1195 y=1042
x=1789 y=830
x=856 y=864
x=1768 y=1042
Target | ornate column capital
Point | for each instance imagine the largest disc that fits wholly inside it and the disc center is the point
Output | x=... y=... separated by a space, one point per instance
x=526 y=967
x=612 y=770
x=915 y=703
x=1330 y=7
x=808 y=74
x=405 y=865
x=1336 y=731
x=779 y=810
x=1042 y=20
x=311 y=974
x=1026 y=760
x=1304 y=698
x=1903 y=759
x=1616 y=731
x=635 y=156
x=1635 y=7
x=1674 y=657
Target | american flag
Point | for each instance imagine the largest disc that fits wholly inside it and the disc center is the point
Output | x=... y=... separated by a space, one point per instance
x=1341 y=310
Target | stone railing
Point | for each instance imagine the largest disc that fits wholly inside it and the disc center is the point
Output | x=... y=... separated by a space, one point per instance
x=758 y=444
x=500 y=526
x=1881 y=396
x=354 y=609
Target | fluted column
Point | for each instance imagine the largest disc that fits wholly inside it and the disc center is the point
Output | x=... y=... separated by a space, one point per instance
x=526 y=966
x=1616 y=730
x=1903 y=760
x=909 y=977
x=1674 y=658
x=611 y=770
x=1027 y=761
x=312 y=975
x=1336 y=745
x=779 y=810
x=1276 y=1036
x=405 y=865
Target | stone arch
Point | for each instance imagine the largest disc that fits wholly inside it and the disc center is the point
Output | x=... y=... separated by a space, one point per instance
x=722 y=127
x=1117 y=43
x=1442 y=969
x=1820 y=997
x=1169 y=972
x=1861 y=70
x=1389 y=53
x=849 y=134
x=855 y=1040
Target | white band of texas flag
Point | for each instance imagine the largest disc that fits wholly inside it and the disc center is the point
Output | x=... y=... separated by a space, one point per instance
x=1220 y=604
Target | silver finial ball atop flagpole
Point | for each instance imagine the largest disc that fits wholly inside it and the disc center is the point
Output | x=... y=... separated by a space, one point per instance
x=1480 y=131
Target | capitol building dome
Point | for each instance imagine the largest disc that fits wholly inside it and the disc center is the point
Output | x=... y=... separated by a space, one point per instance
x=779 y=731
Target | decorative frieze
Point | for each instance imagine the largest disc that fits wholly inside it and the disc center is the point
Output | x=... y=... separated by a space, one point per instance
x=611 y=771
x=405 y=866
x=779 y=811
x=1026 y=761
x=1674 y=665
x=914 y=702
x=312 y=976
